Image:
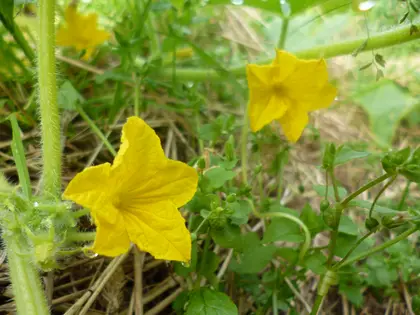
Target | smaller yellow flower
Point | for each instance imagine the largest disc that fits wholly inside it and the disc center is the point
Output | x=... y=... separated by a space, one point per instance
x=81 y=31
x=286 y=91
x=136 y=198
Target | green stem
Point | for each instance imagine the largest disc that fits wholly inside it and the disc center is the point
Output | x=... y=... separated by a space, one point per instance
x=307 y=242
x=364 y=188
x=96 y=130
x=404 y=196
x=381 y=247
x=80 y=213
x=334 y=234
x=244 y=150
x=385 y=39
x=275 y=303
x=335 y=187
x=50 y=118
x=26 y=284
x=337 y=266
x=81 y=236
x=379 y=194
x=317 y=305
x=283 y=34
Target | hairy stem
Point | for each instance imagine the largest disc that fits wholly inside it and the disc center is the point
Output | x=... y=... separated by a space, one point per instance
x=26 y=284
x=50 y=119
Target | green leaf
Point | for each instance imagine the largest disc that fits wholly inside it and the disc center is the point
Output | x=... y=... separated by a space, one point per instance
x=320 y=190
x=230 y=237
x=345 y=154
x=281 y=229
x=241 y=212
x=6 y=14
x=288 y=253
x=353 y=293
x=346 y=241
x=18 y=152
x=68 y=96
x=178 y=4
x=218 y=176
x=313 y=221
x=386 y=103
x=209 y=302
x=347 y=226
x=253 y=259
x=316 y=262
x=209 y=265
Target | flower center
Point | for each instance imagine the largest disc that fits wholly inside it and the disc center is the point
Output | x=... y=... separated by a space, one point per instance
x=117 y=202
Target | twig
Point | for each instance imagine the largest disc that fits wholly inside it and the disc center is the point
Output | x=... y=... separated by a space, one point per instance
x=138 y=280
x=297 y=294
x=225 y=265
x=90 y=296
x=163 y=304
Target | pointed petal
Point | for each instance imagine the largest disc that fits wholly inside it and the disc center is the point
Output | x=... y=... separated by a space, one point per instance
x=260 y=76
x=293 y=123
x=159 y=229
x=263 y=109
x=111 y=239
x=286 y=62
x=175 y=182
x=71 y=16
x=140 y=155
x=89 y=187
x=323 y=99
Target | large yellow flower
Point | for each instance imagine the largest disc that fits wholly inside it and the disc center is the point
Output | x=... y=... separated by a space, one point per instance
x=136 y=198
x=286 y=91
x=81 y=31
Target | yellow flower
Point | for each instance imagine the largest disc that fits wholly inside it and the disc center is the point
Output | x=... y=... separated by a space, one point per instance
x=286 y=91
x=81 y=31
x=136 y=198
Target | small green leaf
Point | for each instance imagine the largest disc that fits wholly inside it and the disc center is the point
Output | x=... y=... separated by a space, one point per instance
x=218 y=176
x=353 y=293
x=205 y=301
x=346 y=154
x=320 y=190
x=281 y=229
x=367 y=205
x=253 y=259
x=316 y=262
x=18 y=152
x=208 y=265
x=313 y=221
x=380 y=60
x=347 y=226
x=230 y=237
x=68 y=96
x=241 y=212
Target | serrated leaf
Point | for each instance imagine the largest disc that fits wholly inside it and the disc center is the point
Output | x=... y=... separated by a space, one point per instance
x=209 y=302
x=380 y=60
x=347 y=226
x=281 y=229
x=386 y=103
x=241 y=212
x=316 y=262
x=218 y=176
x=253 y=259
x=313 y=221
x=345 y=154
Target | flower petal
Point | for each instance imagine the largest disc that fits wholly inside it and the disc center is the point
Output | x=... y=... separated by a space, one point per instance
x=293 y=123
x=64 y=37
x=159 y=229
x=175 y=182
x=140 y=155
x=286 y=62
x=322 y=100
x=111 y=239
x=89 y=187
x=262 y=112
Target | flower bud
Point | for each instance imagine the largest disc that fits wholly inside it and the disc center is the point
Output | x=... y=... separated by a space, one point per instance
x=371 y=224
x=324 y=205
x=230 y=148
x=329 y=156
x=201 y=163
x=231 y=198
x=330 y=217
x=193 y=237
